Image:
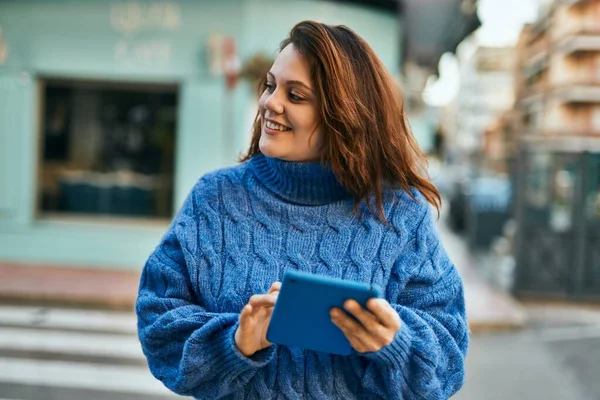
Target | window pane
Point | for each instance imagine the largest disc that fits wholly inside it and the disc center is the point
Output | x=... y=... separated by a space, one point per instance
x=538 y=181
x=108 y=149
x=564 y=184
x=593 y=192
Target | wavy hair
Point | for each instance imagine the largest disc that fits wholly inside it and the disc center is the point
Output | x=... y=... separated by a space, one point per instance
x=366 y=139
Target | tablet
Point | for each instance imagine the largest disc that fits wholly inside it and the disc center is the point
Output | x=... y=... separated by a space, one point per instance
x=301 y=314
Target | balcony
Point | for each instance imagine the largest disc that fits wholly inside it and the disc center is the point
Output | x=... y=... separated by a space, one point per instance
x=530 y=98
x=578 y=94
x=536 y=65
x=570 y=132
x=561 y=143
x=574 y=3
x=579 y=43
x=582 y=20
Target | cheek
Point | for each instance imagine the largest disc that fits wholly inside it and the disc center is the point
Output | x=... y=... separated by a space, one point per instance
x=316 y=139
x=309 y=137
x=313 y=130
x=305 y=121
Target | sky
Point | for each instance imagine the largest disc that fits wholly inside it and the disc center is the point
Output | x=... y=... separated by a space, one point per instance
x=501 y=22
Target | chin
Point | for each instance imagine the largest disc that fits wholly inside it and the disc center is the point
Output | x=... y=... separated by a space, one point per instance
x=270 y=149
x=272 y=152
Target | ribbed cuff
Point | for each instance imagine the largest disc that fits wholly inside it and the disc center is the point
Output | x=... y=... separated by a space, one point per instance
x=396 y=354
x=227 y=358
x=258 y=359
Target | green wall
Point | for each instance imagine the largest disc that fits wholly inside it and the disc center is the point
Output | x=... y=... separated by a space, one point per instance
x=267 y=23
x=101 y=40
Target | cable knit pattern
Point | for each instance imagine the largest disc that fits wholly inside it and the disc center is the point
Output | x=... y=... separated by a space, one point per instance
x=239 y=230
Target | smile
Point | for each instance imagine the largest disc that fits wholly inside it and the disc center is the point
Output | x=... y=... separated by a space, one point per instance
x=275 y=126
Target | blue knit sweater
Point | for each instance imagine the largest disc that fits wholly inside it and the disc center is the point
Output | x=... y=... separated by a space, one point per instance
x=239 y=230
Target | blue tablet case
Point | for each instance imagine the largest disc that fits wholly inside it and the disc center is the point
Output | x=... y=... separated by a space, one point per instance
x=301 y=314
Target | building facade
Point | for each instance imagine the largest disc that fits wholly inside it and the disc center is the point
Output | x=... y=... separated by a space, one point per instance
x=111 y=110
x=486 y=82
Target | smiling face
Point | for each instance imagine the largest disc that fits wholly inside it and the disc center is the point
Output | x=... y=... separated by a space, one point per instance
x=288 y=106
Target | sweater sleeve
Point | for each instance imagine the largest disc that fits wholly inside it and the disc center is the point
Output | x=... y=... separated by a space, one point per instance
x=426 y=358
x=192 y=351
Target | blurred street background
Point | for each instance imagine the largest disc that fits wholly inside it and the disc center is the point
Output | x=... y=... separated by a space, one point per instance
x=110 y=110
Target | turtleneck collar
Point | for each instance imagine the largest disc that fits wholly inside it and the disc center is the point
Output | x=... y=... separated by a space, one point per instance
x=307 y=183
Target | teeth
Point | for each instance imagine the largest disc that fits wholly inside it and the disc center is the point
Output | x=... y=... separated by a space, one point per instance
x=277 y=127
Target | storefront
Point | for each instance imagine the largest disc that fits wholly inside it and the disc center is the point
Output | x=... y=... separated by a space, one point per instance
x=111 y=110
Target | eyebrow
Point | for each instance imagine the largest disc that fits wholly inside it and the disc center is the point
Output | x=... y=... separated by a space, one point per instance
x=292 y=82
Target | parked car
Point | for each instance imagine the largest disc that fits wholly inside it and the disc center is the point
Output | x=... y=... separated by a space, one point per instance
x=480 y=207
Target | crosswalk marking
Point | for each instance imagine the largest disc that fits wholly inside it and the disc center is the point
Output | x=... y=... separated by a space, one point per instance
x=80 y=376
x=74 y=351
x=86 y=344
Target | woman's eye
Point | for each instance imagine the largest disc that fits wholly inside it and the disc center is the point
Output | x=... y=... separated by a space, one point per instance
x=269 y=87
x=295 y=97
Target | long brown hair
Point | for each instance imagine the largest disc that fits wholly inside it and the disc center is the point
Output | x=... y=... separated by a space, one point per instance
x=367 y=141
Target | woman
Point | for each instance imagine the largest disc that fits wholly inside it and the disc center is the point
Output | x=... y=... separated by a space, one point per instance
x=331 y=185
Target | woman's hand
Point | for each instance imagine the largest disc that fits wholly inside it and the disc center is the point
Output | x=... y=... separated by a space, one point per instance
x=376 y=327
x=251 y=334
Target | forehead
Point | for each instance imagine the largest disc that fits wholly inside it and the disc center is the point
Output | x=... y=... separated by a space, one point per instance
x=290 y=64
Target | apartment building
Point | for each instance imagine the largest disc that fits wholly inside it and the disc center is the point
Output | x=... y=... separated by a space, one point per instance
x=556 y=123
x=559 y=80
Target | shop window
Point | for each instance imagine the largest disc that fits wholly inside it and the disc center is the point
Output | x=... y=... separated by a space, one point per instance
x=107 y=149
x=593 y=192
x=565 y=175
x=537 y=193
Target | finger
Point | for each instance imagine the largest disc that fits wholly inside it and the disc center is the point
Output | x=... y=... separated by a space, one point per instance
x=263 y=300
x=385 y=313
x=347 y=324
x=343 y=322
x=357 y=344
x=358 y=337
x=365 y=317
x=246 y=316
x=275 y=287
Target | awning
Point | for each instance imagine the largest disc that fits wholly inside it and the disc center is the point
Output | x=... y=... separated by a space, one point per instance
x=387 y=5
x=434 y=27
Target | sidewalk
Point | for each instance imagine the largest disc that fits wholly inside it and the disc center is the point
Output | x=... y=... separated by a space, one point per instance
x=68 y=286
x=487 y=308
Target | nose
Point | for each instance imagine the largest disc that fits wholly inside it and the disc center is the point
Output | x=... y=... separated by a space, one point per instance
x=272 y=103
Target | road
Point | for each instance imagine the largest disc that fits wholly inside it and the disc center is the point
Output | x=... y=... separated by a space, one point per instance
x=556 y=357
x=70 y=354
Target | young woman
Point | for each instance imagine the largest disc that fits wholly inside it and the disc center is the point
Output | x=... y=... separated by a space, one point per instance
x=331 y=185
